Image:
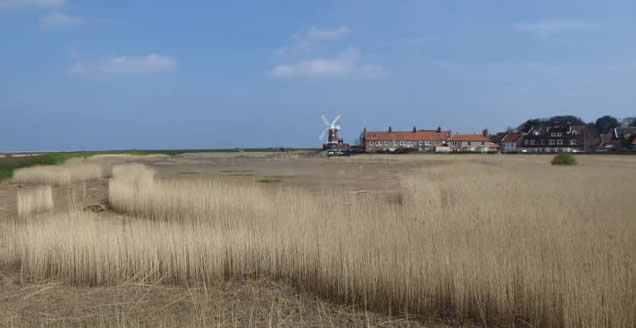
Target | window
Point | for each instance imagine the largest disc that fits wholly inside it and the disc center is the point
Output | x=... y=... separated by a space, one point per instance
x=469 y=143
x=526 y=142
x=573 y=142
x=559 y=141
x=551 y=141
x=532 y=142
x=483 y=143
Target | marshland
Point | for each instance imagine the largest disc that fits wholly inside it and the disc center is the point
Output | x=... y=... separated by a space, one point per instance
x=437 y=240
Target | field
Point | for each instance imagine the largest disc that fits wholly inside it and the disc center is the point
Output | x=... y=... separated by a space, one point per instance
x=288 y=240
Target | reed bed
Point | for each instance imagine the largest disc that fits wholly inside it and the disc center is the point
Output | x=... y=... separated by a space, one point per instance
x=35 y=200
x=495 y=244
x=58 y=175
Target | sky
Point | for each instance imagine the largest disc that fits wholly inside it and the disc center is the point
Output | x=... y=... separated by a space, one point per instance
x=153 y=74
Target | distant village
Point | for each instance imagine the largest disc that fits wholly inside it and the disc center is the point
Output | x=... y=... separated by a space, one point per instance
x=555 y=135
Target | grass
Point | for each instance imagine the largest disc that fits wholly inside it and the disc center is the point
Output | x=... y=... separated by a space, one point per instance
x=497 y=244
x=563 y=159
x=238 y=173
x=270 y=179
x=10 y=164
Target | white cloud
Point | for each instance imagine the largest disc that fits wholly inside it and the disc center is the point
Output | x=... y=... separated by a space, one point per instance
x=124 y=65
x=313 y=67
x=346 y=64
x=55 y=19
x=12 y=4
x=556 y=26
x=305 y=41
x=328 y=33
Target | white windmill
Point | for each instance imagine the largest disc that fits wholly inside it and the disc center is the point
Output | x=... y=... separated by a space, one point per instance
x=332 y=128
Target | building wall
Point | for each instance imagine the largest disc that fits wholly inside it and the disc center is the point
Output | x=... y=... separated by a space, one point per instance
x=469 y=145
x=419 y=145
x=511 y=147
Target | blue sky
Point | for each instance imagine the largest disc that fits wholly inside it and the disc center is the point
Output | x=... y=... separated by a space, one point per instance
x=88 y=75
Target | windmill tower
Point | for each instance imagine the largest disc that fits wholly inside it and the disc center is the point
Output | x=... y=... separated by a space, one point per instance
x=334 y=142
x=331 y=128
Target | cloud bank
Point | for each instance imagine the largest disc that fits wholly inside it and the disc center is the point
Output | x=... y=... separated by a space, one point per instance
x=348 y=63
x=303 y=42
x=125 y=65
x=328 y=33
x=556 y=26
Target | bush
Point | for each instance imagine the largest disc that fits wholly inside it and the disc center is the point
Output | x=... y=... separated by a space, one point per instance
x=563 y=159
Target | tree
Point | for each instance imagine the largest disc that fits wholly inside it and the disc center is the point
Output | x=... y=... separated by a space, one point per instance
x=529 y=124
x=554 y=120
x=606 y=123
x=566 y=120
x=629 y=121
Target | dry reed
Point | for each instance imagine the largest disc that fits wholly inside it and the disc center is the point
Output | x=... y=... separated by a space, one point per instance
x=500 y=245
x=35 y=200
x=58 y=175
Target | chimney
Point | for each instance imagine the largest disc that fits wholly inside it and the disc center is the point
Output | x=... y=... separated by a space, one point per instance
x=390 y=130
x=485 y=132
x=414 y=129
x=439 y=129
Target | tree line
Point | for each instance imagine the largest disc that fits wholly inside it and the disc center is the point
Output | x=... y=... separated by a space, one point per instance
x=604 y=124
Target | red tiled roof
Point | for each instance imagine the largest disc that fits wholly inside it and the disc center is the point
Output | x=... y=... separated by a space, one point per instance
x=469 y=137
x=512 y=137
x=407 y=136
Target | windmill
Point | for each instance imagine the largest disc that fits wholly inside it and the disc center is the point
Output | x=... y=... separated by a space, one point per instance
x=331 y=128
x=335 y=146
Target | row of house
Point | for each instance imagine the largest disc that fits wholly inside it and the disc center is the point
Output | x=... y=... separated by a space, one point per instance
x=568 y=138
x=544 y=139
x=426 y=141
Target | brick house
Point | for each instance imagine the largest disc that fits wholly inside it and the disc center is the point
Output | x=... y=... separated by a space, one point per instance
x=469 y=142
x=512 y=142
x=422 y=140
x=554 y=139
